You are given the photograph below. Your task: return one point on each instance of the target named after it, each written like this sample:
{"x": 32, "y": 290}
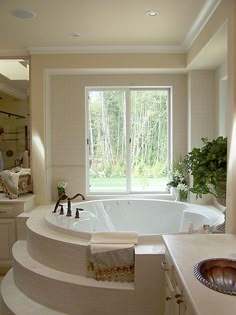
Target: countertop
{"x": 187, "y": 250}
{"x": 21, "y": 198}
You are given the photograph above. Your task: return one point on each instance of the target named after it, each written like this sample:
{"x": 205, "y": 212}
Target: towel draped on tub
{"x": 111, "y": 256}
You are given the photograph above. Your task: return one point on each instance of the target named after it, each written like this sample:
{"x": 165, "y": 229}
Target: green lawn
{"x": 118, "y": 184}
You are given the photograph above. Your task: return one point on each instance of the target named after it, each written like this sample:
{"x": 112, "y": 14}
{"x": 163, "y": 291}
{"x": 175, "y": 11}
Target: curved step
{"x": 68, "y": 293}
{"x": 15, "y": 302}
{"x": 54, "y": 249}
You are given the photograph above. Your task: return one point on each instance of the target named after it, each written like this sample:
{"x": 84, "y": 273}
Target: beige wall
{"x": 43, "y": 65}
{"x": 231, "y": 180}
{"x": 202, "y": 108}
{"x": 67, "y": 126}
{"x": 221, "y": 86}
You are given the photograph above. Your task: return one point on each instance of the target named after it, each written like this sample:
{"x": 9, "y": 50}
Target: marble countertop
{"x": 21, "y": 198}
{"x": 187, "y": 250}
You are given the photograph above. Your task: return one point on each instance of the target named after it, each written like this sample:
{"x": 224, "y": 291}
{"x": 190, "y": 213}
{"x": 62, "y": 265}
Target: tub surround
{"x": 47, "y": 282}
{"x": 187, "y": 250}
{"x": 54, "y": 284}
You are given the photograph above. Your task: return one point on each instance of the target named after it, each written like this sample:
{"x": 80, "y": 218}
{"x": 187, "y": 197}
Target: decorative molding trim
{"x": 110, "y": 71}
{"x": 19, "y": 53}
{"x": 199, "y": 23}
{"x": 106, "y": 49}
{"x": 5, "y": 88}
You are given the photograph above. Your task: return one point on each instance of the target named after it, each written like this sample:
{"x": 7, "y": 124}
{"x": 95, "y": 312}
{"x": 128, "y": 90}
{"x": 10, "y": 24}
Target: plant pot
{"x": 221, "y": 199}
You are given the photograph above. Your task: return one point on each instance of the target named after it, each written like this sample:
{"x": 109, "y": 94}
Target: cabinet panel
{"x": 176, "y": 302}
{"x": 8, "y": 238}
{"x": 6, "y": 211}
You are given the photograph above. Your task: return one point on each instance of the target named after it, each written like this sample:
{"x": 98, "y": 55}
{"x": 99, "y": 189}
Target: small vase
{"x": 175, "y": 193}
{"x": 182, "y": 195}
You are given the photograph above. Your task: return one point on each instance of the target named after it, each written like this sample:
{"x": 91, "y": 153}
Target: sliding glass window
{"x": 127, "y": 140}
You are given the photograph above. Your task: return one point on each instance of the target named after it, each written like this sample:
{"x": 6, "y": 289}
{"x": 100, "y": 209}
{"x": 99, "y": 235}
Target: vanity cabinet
{"x": 9, "y": 210}
{"x": 176, "y": 302}
{"x": 8, "y": 238}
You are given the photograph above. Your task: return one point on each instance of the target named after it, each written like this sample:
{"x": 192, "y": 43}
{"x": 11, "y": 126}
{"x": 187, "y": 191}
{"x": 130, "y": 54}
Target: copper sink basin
{"x": 218, "y": 274}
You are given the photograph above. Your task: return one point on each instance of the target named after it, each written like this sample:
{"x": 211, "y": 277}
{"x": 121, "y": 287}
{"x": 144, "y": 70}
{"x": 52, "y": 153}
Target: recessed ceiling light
{"x": 23, "y": 13}
{"x": 152, "y": 13}
{"x": 74, "y": 34}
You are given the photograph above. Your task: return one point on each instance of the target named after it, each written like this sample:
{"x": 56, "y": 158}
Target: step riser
{"x": 16, "y": 303}
{"x": 66, "y": 257}
{"x": 51, "y": 290}
{"x": 69, "y": 297}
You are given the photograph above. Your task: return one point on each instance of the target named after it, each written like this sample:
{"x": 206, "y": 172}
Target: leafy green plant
{"x": 208, "y": 166}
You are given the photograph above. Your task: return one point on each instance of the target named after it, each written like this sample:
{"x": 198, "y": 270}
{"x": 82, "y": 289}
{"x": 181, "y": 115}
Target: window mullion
{"x": 128, "y": 142}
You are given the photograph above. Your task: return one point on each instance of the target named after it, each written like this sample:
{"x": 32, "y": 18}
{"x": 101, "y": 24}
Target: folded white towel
{"x": 114, "y": 238}
{"x": 111, "y": 255}
{"x": 105, "y": 248}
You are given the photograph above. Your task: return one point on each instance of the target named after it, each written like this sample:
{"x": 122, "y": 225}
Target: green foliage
{"x": 208, "y": 166}
{"x": 178, "y": 174}
{"x": 148, "y": 133}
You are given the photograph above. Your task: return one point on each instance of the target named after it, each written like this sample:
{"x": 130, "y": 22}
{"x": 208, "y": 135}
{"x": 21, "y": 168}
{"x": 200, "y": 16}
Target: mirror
{"x": 14, "y": 111}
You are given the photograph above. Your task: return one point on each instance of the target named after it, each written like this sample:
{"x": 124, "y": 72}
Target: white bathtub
{"x": 144, "y": 216}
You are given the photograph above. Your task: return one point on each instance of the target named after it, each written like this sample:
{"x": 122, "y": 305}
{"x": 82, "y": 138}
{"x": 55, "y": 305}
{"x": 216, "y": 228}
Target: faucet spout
{"x": 79, "y": 194}
{"x": 68, "y": 207}
{"x": 69, "y": 212}
{"x": 62, "y": 197}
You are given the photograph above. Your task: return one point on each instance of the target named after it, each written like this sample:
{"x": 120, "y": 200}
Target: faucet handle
{"x": 77, "y": 213}
{"x": 68, "y": 207}
{"x": 62, "y": 210}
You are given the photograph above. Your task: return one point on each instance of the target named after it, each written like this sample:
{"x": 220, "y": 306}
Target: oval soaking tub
{"x": 144, "y": 216}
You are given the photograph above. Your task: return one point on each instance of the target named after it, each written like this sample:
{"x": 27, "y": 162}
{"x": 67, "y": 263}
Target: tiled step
{"x": 15, "y": 302}
{"x": 55, "y": 249}
{"x": 64, "y": 292}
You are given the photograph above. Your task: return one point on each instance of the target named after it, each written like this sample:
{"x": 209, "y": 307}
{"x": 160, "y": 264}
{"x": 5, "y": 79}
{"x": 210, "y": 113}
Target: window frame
{"x": 127, "y": 90}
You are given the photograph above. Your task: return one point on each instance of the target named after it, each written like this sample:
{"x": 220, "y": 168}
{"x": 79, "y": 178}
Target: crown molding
{"x": 16, "y": 53}
{"x": 106, "y": 49}
{"x": 112, "y": 71}
{"x": 200, "y": 21}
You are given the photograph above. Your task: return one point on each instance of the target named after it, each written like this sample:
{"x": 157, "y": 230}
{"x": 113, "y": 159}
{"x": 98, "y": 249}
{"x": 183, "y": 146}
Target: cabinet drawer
{"x": 6, "y": 211}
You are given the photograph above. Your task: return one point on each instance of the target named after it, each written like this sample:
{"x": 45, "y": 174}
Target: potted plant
{"x": 208, "y": 166}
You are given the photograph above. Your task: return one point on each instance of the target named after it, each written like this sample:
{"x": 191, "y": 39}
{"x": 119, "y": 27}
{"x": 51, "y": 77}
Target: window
{"x": 127, "y": 140}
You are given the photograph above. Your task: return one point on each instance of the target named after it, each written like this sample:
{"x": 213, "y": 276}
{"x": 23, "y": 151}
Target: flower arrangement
{"x": 178, "y": 179}
{"x": 182, "y": 190}
{"x": 61, "y": 188}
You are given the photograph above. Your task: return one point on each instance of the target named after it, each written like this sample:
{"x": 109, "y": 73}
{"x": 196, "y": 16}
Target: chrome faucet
{"x": 62, "y": 197}
{"x": 69, "y": 203}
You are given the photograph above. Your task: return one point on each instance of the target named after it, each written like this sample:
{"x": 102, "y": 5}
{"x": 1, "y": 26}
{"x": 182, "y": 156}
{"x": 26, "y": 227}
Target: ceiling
{"x": 103, "y": 24}
{"x": 106, "y": 26}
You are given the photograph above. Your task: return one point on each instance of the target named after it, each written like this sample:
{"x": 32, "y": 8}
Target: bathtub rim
{"x": 141, "y": 237}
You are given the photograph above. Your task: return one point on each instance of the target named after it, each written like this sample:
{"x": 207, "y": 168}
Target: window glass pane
{"x": 107, "y": 141}
{"x": 149, "y": 132}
